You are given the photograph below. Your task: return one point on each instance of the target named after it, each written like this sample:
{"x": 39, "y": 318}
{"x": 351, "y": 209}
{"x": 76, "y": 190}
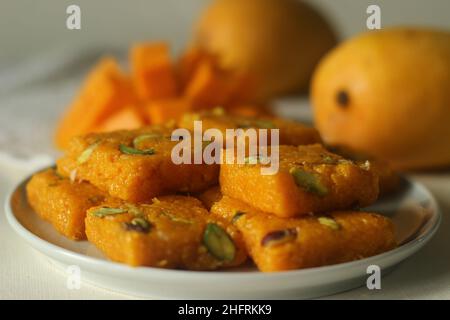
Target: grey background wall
{"x": 29, "y": 27}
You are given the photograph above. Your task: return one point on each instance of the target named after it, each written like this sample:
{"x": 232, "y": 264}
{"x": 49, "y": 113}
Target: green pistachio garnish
{"x": 191, "y": 117}
{"x": 244, "y": 125}
{"x": 139, "y": 225}
{"x": 84, "y": 156}
{"x": 131, "y": 208}
{"x": 155, "y": 200}
{"x": 218, "y": 111}
{"x": 365, "y": 165}
{"x": 105, "y": 211}
{"x": 328, "y": 160}
{"x": 308, "y": 181}
{"x": 129, "y": 150}
{"x": 137, "y": 141}
{"x": 329, "y": 222}
{"x": 236, "y": 216}
{"x": 73, "y": 175}
{"x": 218, "y": 242}
{"x": 175, "y": 218}
{"x": 345, "y": 161}
{"x": 264, "y": 124}
{"x": 255, "y": 159}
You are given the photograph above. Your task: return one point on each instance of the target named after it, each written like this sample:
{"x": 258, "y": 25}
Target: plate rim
{"x": 44, "y": 247}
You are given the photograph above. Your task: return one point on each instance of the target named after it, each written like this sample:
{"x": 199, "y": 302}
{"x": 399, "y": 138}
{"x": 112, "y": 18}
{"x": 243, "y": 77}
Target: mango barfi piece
{"x": 277, "y": 244}
{"x": 134, "y": 165}
{"x": 291, "y": 132}
{"x": 309, "y": 179}
{"x": 62, "y": 203}
{"x": 210, "y": 196}
{"x": 170, "y": 232}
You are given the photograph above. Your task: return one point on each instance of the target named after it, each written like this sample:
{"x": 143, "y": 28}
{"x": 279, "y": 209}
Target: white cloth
{"x": 33, "y": 96}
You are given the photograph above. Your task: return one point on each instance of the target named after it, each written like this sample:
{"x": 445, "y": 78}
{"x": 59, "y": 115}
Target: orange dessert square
{"x": 134, "y": 165}
{"x": 309, "y": 180}
{"x": 291, "y": 132}
{"x": 171, "y": 232}
{"x": 278, "y": 244}
{"x": 61, "y": 202}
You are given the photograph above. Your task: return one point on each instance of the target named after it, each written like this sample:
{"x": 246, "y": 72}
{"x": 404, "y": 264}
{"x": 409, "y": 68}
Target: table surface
{"x": 26, "y": 274}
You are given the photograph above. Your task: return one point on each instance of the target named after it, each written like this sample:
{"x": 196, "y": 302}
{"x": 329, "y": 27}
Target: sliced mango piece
{"x": 105, "y": 91}
{"x": 153, "y": 72}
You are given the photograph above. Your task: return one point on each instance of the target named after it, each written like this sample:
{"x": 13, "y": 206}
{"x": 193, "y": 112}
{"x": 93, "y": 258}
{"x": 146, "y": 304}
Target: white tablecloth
{"x": 28, "y": 110}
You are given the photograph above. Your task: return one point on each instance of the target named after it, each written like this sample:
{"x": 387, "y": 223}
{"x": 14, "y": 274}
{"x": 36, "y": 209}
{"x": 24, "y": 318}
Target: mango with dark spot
{"x": 387, "y": 93}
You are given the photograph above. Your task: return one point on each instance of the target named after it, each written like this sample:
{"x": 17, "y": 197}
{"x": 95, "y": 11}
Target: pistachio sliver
{"x": 328, "y": 160}
{"x": 139, "y": 225}
{"x": 131, "y": 208}
{"x": 329, "y": 222}
{"x": 133, "y": 151}
{"x": 218, "y": 242}
{"x": 85, "y": 155}
{"x": 105, "y": 211}
{"x": 278, "y": 237}
{"x": 308, "y": 181}
{"x": 365, "y": 165}
{"x": 137, "y": 141}
{"x": 245, "y": 124}
{"x": 218, "y": 111}
{"x": 264, "y": 124}
{"x": 237, "y": 215}
{"x": 175, "y": 218}
{"x": 256, "y": 159}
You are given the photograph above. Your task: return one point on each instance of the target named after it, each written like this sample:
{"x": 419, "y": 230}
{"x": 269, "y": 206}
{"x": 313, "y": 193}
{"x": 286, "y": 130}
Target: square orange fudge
{"x": 62, "y": 202}
{"x": 134, "y": 165}
{"x": 278, "y": 244}
{"x": 309, "y": 180}
{"x": 291, "y": 132}
{"x": 170, "y": 232}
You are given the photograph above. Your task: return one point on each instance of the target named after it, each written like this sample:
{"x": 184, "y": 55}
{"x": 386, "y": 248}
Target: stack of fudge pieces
{"x": 122, "y": 192}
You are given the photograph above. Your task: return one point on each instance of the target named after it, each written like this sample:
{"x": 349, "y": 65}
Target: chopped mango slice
{"x": 125, "y": 119}
{"x": 153, "y": 72}
{"x": 209, "y": 87}
{"x": 160, "y": 111}
{"x": 104, "y": 92}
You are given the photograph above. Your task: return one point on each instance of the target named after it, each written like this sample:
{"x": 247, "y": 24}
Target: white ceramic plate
{"x": 413, "y": 210}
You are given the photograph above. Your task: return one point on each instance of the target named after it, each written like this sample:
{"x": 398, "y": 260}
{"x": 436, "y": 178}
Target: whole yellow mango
{"x": 278, "y": 42}
{"x": 387, "y": 93}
